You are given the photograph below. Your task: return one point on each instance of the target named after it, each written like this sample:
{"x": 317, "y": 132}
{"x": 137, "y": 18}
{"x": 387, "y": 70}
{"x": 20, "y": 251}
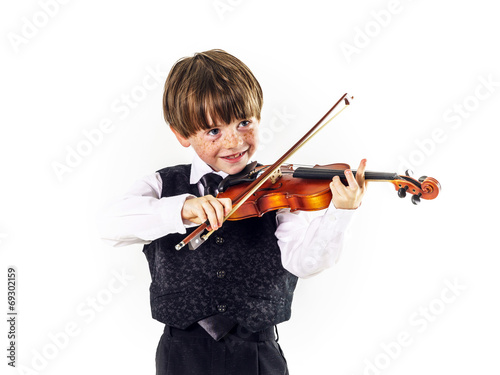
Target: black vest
{"x": 237, "y": 272}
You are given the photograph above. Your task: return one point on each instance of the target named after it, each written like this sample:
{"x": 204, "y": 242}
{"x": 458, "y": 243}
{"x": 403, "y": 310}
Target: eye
{"x": 245, "y": 123}
{"x": 213, "y": 132}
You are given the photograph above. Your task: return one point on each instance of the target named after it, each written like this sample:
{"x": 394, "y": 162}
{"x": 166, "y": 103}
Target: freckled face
{"x": 226, "y": 147}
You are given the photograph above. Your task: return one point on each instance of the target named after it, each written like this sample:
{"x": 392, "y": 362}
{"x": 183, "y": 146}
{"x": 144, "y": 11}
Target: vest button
{"x": 221, "y": 308}
{"x": 221, "y": 274}
{"x": 219, "y": 240}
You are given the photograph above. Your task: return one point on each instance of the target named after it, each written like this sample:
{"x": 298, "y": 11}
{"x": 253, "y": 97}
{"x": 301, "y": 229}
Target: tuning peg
{"x": 409, "y": 172}
{"x": 422, "y": 179}
{"x": 402, "y": 192}
{"x": 416, "y": 198}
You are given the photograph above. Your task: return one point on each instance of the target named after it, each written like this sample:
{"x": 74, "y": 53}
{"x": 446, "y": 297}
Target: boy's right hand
{"x": 198, "y": 210}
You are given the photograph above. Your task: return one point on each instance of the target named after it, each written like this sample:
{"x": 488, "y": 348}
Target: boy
{"x": 221, "y": 301}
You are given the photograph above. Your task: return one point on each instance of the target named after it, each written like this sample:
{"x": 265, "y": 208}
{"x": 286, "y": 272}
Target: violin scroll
{"x": 425, "y": 187}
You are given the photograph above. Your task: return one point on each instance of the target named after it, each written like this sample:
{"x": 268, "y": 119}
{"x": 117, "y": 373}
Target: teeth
{"x": 234, "y": 156}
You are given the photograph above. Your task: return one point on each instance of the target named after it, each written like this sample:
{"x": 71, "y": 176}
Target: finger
{"x": 360, "y": 174}
{"x": 337, "y": 187}
{"x": 210, "y": 210}
{"x": 222, "y": 207}
{"x": 215, "y": 211}
{"x": 340, "y": 193}
{"x": 198, "y": 215}
{"x": 227, "y": 203}
{"x": 353, "y": 184}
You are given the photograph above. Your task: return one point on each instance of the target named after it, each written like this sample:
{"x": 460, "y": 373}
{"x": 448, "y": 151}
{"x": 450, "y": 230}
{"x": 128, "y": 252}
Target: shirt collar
{"x": 199, "y": 168}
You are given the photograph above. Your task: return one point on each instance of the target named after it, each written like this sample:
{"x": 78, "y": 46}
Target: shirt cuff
{"x": 171, "y": 209}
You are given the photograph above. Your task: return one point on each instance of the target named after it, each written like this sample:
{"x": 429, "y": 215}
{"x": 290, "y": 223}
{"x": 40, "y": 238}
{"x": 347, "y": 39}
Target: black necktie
{"x": 210, "y": 182}
{"x": 216, "y": 326}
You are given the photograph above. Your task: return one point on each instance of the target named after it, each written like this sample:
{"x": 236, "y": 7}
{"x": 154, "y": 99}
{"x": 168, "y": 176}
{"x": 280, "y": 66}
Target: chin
{"x": 234, "y": 168}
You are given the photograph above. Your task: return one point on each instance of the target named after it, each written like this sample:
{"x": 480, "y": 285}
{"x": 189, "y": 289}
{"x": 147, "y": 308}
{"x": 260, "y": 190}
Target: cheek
{"x": 251, "y": 137}
{"x": 205, "y": 148}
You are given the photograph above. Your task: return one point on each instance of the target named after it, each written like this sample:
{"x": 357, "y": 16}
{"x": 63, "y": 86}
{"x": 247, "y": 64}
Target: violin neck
{"x": 328, "y": 174}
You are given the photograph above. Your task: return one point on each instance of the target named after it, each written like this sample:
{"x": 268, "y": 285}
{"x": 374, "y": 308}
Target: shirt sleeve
{"x": 141, "y": 216}
{"x": 311, "y": 245}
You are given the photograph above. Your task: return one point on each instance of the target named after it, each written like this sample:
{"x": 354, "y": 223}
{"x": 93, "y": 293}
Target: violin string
{"x": 325, "y": 173}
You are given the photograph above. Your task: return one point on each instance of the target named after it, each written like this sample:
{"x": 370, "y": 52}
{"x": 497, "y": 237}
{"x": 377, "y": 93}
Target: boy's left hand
{"x": 349, "y": 197}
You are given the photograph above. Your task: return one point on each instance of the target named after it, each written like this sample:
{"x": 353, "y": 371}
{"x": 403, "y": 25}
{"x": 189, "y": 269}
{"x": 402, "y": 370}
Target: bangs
{"x": 214, "y": 106}
{"x": 208, "y": 90}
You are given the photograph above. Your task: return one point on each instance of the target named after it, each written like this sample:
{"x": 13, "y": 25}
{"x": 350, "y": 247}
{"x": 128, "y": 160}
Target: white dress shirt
{"x": 308, "y": 244}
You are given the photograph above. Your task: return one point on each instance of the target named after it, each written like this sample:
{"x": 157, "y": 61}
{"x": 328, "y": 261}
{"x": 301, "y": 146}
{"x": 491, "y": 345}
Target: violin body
{"x": 287, "y": 192}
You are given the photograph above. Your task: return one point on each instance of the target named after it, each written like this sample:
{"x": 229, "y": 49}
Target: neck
{"x": 328, "y": 174}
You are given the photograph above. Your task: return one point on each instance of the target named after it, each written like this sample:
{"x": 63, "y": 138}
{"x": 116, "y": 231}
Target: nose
{"x": 232, "y": 139}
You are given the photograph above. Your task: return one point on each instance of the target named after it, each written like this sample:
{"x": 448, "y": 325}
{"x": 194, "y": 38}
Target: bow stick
{"x": 195, "y": 239}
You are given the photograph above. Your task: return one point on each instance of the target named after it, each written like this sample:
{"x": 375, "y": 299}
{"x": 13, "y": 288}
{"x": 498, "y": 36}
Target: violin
{"x": 260, "y": 189}
{"x": 308, "y": 189}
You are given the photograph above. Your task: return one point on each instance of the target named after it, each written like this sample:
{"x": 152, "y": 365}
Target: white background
{"x": 417, "y": 70}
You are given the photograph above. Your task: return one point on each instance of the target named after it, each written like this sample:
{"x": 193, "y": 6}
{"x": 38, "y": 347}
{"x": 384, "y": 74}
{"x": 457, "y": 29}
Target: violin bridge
{"x": 276, "y": 175}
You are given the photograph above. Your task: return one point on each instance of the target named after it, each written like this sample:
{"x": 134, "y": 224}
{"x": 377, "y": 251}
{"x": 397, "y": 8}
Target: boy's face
{"x": 225, "y": 147}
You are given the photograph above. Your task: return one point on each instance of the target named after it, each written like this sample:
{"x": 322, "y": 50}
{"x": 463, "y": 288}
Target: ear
{"x": 183, "y": 141}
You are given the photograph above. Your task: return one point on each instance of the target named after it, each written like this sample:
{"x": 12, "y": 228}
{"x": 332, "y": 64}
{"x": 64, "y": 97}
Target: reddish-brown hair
{"x": 211, "y": 84}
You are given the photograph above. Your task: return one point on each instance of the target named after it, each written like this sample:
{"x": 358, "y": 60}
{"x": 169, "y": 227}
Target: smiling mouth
{"x": 234, "y": 156}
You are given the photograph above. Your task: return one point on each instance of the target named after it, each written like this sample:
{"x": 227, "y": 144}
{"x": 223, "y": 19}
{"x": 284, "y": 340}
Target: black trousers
{"x": 240, "y": 352}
